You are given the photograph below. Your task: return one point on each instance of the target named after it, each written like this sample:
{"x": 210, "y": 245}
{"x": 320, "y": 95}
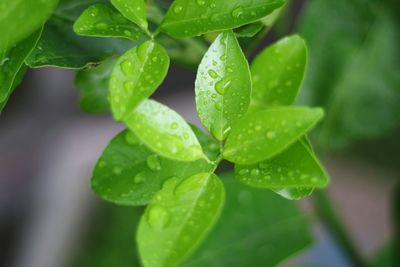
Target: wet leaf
{"x": 59, "y": 46}
{"x": 11, "y": 62}
{"x": 264, "y": 134}
{"x": 101, "y": 20}
{"x": 278, "y": 71}
{"x": 92, "y": 84}
{"x": 192, "y": 18}
{"x": 178, "y": 219}
{"x": 256, "y": 228}
{"x": 136, "y": 75}
{"x": 134, "y": 10}
{"x": 20, "y": 18}
{"x": 164, "y": 131}
{"x": 249, "y": 30}
{"x": 294, "y": 193}
{"x": 129, "y": 173}
{"x": 295, "y": 167}
{"x": 223, "y": 85}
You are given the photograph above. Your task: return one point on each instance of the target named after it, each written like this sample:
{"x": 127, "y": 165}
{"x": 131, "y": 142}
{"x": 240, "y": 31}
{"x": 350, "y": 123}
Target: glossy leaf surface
{"x": 263, "y": 134}
{"x": 256, "y": 228}
{"x": 101, "y": 20}
{"x": 60, "y": 46}
{"x": 294, "y": 193}
{"x": 178, "y": 219}
{"x": 134, "y": 10}
{"x": 92, "y": 84}
{"x": 192, "y": 18}
{"x": 297, "y": 166}
{"x": 20, "y": 18}
{"x": 136, "y": 75}
{"x": 11, "y": 63}
{"x": 249, "y": 30}
{"x": 129, "y": 173}
{"x": 164, "y": 131}
{"x": 278, "y": 71}
{"x": 223, "y": 85}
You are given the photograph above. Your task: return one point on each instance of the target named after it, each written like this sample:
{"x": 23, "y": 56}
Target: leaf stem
{"x": 329, "y": 217}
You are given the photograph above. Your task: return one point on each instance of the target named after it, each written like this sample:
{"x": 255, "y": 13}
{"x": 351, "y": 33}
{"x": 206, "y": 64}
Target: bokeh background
{"x": 48, "y": 145}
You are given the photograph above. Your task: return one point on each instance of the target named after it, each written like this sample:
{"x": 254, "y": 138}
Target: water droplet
{"x": 153, "y": 162}
{"x": 255, "y": 172}
{"x": 174, "y": 125}
{"x": 178, "y": 9}
{"x": 101, "y": 26}
{"x": 213, "y": 74}
{"x": 139, "y": 178}
{"x": 127, "y": 67}
{"x": 129, "y": 85}
{"x": 271, "y": 135}
{"x": 218, "y": 106}
{"x": 243, "y": 171}
{"x": 237, "y": 12}
{"x": 117, "y": 170}
{"x": 201, "y": 2}
{"x": 222, "y": 85}
{"x": 132, "y": 139}
{"x": 158, "y": 217}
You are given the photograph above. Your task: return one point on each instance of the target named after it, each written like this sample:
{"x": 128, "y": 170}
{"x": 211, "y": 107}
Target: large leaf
{"x": 12, "y": 62}
{"x": 164, "y": 131}
{"x": 129, "y": 173}
{"x": 92, "y": 84}
{"x": 178, "y": 219}
{"x": 134, "y": 10}
{"x": 59, "y": 46}
{"x": 256, "y": 228}
{"x": 102, "y": 20}
{"x": 20, "y": 18}
{"x": 223, "y": 85}
{"x": 278, "y": 71}
{"x": 192, "y": 18}
{"x": 358, "y": 79}
{"x": 295, "y": 167}
{"x": 261, "y": 135}
{"x": 136, "y": 75}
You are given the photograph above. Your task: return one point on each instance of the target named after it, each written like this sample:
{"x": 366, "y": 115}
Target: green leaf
{"x": 101, "y": 20}
{"x": 164, "y": 131}
{"x": 136, "y": 75}
{"x": 295, "y": 167}
{"x": 129, "y": 173}
{"x": 223, "y": 85}
{"x": 249, "y": 30}
{"x": 59, "y": 46}
{"x": 20, "y": 18}
{"x": 178, "y": 219}
{"x": 264, "y": 134}
{"x": 11, "y": 62}
{"x": 92, "y": 84}
{"x": 192, "y": 18}
{"x": 294, "y": 193}
{"x": 256, "y": 228}
{"x": 209, "y": 145}
{"x": 278, "y": 71}
{"x": 134, "y": 10}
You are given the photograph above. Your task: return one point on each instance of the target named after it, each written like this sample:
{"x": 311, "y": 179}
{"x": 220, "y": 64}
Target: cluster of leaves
{"x": 358, "y": 81}
{"x": 160, "y": 160}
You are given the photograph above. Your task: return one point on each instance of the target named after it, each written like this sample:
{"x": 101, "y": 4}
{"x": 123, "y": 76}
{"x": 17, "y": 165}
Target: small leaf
{"x": 264, "y": 134}
{"x": 134, "y": 10}
{"x": 136, "y": 75}
{"x": 20, "y": 18}
{"x": 256, "y": 228}
{"x": 249, "y": 30}
{"x": 223, "y": 85}
{"x": 129, "y": 173}
{"x": 178, "y": 219}
{"x": 11, "y": 62}
{"x": 191, "y": 18}
{"x": 295, "y": 167}
{"x": 278, "y": 71}
{"x": 164, "y": 131}
{"x": 101, "y": 20}
{"x": 92, "y": 84}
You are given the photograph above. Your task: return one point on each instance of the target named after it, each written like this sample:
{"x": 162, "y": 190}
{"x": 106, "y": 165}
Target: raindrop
{"x": 153, "y": 162}
{"x": 139, "y": 178}
{"x": 213, "y": 74}
{"x": 222, "y": 85}
{"x": 101, "y": 26}
{"x": 158, "y": 217}
{"x": 117, "y": 170}
{"x": 271, "y": 135}
{"x": 255, "y": 172}
{"x": 237, "y": 12}
{"x": 127, "y": 67}
{"x": 178, "y": 9}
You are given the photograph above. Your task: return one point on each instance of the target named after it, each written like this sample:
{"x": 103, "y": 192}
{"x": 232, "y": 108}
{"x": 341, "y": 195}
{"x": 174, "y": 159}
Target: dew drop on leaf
{"x": 127, "y": 67}
{"x": 158, "y": 217}
{"x": 153, "y": 162}
{"x": 213, "y": 74}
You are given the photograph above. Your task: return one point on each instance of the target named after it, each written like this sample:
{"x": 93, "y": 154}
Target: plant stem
{"x": 329, "y": 217}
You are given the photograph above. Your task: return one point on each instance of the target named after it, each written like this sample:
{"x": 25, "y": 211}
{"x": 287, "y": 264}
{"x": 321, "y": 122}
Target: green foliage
{"x": 136, "y": 75}
{"x": 161, "y": 160}
{"x": 103, "y": 21}
{"x": 223, "y": 85}
{"x": 20, "y": 18}
{"x": 192, "y": 18}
